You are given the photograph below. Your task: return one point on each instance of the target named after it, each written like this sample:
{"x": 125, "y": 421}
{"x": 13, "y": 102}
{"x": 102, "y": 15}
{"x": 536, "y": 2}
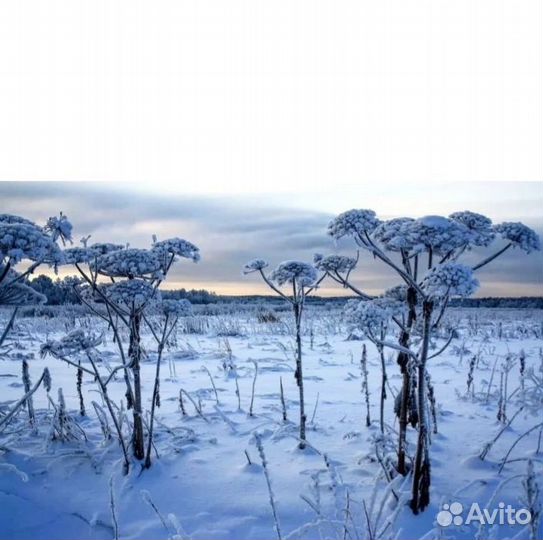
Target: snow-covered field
{"x": 207, "y": 480}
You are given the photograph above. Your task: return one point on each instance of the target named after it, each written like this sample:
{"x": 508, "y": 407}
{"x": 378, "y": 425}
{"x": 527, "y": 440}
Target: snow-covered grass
{"x": 208, "y": 478}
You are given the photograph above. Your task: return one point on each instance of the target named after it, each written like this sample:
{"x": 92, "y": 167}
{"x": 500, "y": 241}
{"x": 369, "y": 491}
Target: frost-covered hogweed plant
{"x": 300, "y": 279}
{"x": 424, "y": 253}
{"x": 134, "y": 276}
{"x": 23, "y": 240}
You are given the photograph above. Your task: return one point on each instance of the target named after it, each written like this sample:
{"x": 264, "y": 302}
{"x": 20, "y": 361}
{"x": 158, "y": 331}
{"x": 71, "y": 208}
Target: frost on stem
{"x": 254, "y": 266}
{"x": 352, "y": 223}
{"x": 300, "y": 273}
{"x": 480, "y": 227}
{"x": 450, "y": 279}
{"x": 264, "y": 461}
{"x": 519, "y": 235}
{"x": 531, "y": 499}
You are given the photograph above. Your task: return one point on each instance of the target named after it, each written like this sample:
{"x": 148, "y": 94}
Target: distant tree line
{"x": 533, "y": 302}
{"x": 194, "y": 296}
{"x": 58, "y": 291}
{"x": 61, "y": 291}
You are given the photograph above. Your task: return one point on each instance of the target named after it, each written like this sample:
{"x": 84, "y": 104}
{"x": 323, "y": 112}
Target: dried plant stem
{"x": 5, "y": 419}
{"x": 283, "y": 403}
{"x": 29, "y": 401}
{"x": 365, "y": 387}
{"x": 113, "y": 510}
{"x": 262, "y": 455}
{"x": 253, "y": 388}
{"x": 212, "y": 384}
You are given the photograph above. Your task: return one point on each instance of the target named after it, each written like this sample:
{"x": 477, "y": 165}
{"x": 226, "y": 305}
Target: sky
{"x": 245, "y": 125}
{"x": 231, "y": 230}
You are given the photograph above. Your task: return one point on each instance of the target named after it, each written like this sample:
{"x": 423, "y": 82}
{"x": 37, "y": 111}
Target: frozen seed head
{"x": 519, "y": 235}
{"x": 78, "y": 255}
{"x": 450, "y": 279}
{"x": 20, "y": 241}
{"x": 353, "y": 223}
{"x": 438, "y": 233}
{"x": 75, "y": 342}
{"x": 10, "y": 219}
{"x": 334, "y": 263}
{"x": 179, "y": 247}
{"x": 129, "y": 263}
{"x": 394, "y": 234}
{"x": 480, "y": 227}
{"x": 176, "y": 308}
{"x": 397, "y": 293}
{"x": 254, "y": 266}
{"x": 300, "y": 273}
{"x": 131, "y": 293}
{"x": 59, "y": 227}
{"x": 101, "y": 248}
{"x": 368, "y": 314}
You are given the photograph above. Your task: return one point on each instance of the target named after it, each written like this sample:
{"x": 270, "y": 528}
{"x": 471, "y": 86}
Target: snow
{"x": 202, "y": 485}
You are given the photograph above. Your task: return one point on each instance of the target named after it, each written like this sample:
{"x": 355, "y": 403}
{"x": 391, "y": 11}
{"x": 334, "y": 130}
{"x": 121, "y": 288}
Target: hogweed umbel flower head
{"x": 450, "y": 279}
{"x": 179, "y": 247}
{"x": 254, "y": 266}
{"x": 301, "y": 273}
{"x": 334, "y": 263}
{"x": 356, "y": 222}
{"x": 519, "y": 235}
{"x": 480, "y": 227}
{"x": 130, "y": 263}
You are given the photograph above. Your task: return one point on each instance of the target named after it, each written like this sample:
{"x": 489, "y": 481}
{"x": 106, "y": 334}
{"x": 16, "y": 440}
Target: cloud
{"x": 230, "y": 231}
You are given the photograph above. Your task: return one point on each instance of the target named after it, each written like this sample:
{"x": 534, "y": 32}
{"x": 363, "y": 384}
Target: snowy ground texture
{"x": 208, "y": 481}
